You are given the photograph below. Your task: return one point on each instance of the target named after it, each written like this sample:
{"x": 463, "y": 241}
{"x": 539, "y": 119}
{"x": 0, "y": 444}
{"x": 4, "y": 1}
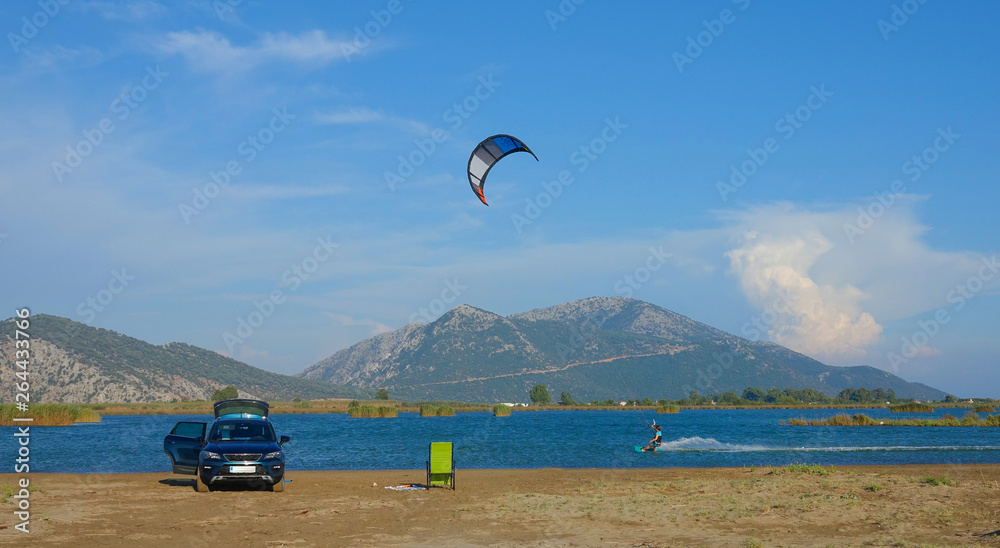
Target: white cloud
{"x": 825, "y": 321}
{"x": 360, "y": 115}
{"x": 279, "y": 192}
{"x": 212, "y": 52}
{"x": 348, "y": 321}
{"x": 133, "y": 10}
{"x": 365, "y": 115}
{"x": 48, "y": 57}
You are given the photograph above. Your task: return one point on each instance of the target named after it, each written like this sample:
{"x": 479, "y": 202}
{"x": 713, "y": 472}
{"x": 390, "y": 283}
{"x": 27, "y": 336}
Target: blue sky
{"x": 818, "y": 174}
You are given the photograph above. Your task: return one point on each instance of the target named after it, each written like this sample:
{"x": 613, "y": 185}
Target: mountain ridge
{"x": 594, "y": 348}
{"x": 72, "y": 362}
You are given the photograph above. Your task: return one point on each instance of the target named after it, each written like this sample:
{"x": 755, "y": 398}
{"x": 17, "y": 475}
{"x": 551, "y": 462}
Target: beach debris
{"x": 406, "y": 487}
{"x": 374, "y": 484}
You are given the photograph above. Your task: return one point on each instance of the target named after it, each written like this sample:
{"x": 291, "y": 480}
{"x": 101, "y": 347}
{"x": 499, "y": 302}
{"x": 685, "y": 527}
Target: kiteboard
{"x": 638, "y": 449}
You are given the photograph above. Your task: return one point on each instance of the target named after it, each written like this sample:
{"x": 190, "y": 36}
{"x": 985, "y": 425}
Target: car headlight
{"x": 272, "y": 455}
{"x": 208, "y": 455}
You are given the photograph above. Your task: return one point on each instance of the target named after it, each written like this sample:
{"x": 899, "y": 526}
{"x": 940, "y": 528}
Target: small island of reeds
{"x": 911, "y": 407}
{"x": 970, "y": 419}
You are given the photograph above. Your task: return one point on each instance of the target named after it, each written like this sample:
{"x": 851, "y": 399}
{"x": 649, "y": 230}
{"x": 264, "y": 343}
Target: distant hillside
{"x": 73, "y": 362}
{"x": 594, "y": 348}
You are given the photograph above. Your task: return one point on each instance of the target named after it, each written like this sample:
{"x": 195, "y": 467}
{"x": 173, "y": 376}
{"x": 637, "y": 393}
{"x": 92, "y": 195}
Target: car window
{"x": 189, "y": 429}
{"x": 242, "y": 431}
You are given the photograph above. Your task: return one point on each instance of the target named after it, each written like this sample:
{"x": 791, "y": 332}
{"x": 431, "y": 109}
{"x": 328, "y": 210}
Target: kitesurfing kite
{"x": 488, "y": 153}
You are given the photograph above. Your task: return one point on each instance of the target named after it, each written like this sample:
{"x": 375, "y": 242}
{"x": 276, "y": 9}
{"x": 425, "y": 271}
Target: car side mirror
{"x": 284, "y": 440}
{"x": 200, "y": 439}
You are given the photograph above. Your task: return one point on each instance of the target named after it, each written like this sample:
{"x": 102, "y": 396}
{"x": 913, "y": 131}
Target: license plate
{"x": 242, "y": 469}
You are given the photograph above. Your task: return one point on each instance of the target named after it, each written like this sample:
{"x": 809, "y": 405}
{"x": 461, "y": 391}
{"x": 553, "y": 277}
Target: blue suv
{"x": 241, "y": 447}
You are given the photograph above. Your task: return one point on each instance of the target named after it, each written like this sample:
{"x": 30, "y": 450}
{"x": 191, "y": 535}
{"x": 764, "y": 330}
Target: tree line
{"x": 752, "y": 395}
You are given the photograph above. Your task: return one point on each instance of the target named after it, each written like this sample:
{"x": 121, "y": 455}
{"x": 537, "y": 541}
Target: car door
{"x": 183, "y": 444}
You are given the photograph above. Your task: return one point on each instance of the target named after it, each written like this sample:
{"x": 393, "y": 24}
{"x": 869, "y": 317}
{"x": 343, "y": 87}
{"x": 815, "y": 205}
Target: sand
{"x": 852, "y": 506}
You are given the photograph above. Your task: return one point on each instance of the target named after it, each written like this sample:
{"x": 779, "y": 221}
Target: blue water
{"x": 564, "y": 439}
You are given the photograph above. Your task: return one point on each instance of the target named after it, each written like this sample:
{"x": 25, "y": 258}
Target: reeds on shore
{"x": 501, "y": 410}
{"x": 446, "y": 411}
{"x": 670, "y": 408}
{"x": 970, "y": 419}
{"x": 371, "y": 412}
{"x": 428, "y": 411}
{"x": 48, "y": 414}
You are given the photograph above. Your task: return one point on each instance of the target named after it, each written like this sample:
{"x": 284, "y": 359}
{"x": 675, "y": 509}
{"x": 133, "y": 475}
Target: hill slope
{"x": 594, "y": 348}
{"x": 73, "y": 362}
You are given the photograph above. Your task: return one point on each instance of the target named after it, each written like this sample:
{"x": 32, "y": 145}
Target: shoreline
{"x": 97, "y": 411}
{"x": 945, "y": 504}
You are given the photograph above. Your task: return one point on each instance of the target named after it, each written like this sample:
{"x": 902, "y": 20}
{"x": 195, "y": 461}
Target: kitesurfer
{"x": 655, "y": 442}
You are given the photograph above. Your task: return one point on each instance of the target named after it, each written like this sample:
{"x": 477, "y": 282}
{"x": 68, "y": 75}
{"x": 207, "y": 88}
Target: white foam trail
{"x": 715, "y": 446}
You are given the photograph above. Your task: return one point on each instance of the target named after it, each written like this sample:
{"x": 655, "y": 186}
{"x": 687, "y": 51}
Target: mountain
{"x": 73, "y": 362}
{"x": 595, "y": 348}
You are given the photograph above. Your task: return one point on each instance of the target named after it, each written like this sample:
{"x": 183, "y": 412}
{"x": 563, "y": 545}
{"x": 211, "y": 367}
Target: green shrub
{"x": 227, "y": 393}
{"x": 501, "y": 410}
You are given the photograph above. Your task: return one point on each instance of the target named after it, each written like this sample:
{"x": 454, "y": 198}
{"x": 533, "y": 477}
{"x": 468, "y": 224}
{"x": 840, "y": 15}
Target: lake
{"x": 564, "y": 439}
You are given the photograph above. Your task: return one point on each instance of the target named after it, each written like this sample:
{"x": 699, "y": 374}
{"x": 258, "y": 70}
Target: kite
{"x": 488, "y": 153}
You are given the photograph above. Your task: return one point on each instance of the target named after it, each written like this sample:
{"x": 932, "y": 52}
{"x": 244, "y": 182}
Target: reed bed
{"x": 446, "y": 411}
{"x": 388, "y": 412}
{"x": 911, "y": 408}
{"x": 501, "y": 410}
{"x": 363, "y": 412}
{"x": 428, "y": 411}
{"x": 669, "y": 409}
{"x": 984, "y": 409}
{"x": 48, "y": 414}
{"x": 970, "y": 419}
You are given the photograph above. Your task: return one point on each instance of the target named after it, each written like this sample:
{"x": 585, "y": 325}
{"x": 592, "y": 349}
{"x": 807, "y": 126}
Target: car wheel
{"x": 278, "y": 487}
{"x": 202, "y": 486}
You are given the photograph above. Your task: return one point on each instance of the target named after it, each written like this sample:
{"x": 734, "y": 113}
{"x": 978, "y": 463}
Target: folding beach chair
{"x": 441, "y": 465}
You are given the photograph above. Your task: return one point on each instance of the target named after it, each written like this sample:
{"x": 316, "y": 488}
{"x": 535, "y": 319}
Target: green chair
{"x": 441, "y": 466}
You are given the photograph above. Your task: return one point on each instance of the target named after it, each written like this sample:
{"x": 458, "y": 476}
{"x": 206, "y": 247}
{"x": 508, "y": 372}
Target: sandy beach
{"x": 850, "y": 506}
